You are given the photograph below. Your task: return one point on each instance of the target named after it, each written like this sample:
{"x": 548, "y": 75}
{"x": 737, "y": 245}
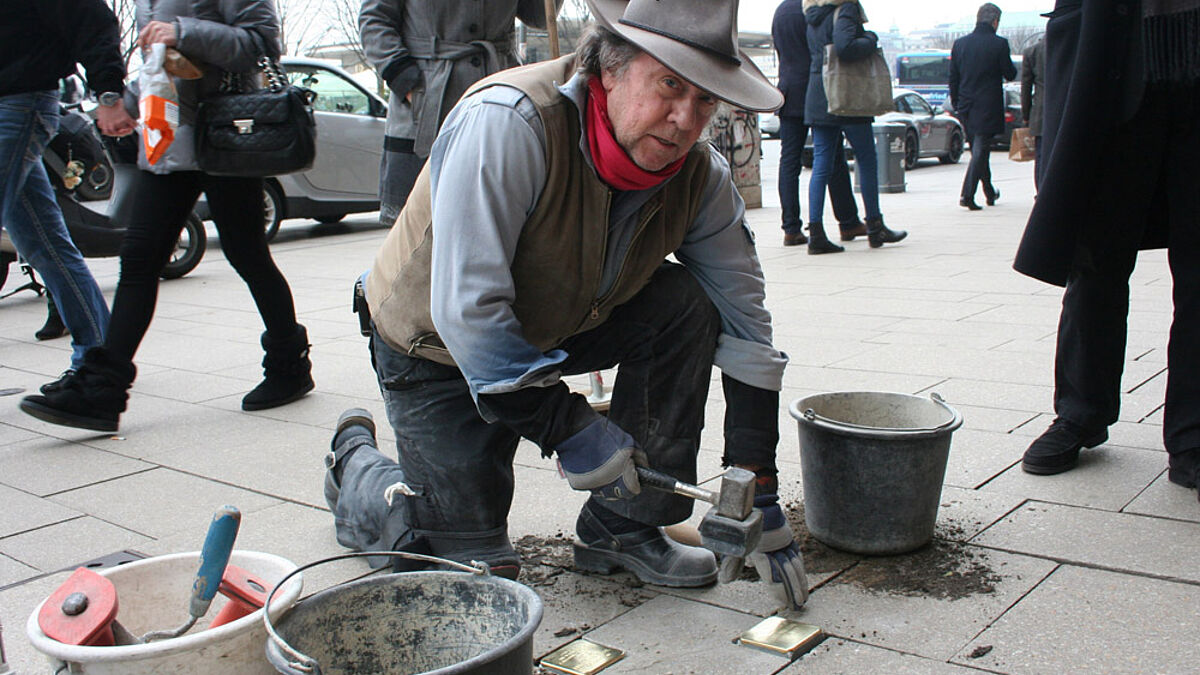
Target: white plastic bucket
{"x": 153, "y": 595}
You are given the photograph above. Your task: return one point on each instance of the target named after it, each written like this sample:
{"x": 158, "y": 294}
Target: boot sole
{"x": 607, "y": 562}
{"x": 267, "y": 405}
{"x": 55, "y": 416}
{"x": 1052, "y": 469}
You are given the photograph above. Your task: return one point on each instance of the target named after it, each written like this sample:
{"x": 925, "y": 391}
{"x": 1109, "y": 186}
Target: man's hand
{"x": 777, "y": 558}
{"x": 158, "y": 31}
{"x": 113, "y": 120}
{"x": 602, "y": 458}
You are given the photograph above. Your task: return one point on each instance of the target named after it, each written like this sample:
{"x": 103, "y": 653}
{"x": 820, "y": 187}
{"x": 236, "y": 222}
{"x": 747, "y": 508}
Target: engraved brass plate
{"x": 581, "y": 657}
{"x": 782, "y": 636}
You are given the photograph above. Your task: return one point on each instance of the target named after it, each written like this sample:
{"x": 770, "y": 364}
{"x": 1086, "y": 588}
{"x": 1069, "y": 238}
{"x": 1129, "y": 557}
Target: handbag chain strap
{"x": 276, "y": 79}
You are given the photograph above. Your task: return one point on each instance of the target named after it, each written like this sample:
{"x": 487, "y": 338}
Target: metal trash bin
{"x": 889, "y": 156}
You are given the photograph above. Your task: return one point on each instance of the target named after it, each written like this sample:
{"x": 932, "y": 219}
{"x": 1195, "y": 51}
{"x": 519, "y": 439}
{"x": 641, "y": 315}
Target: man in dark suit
{"x": 789, "y": 32}
{"x": 1120, "y": 144}
{"x": 979, "y": 64}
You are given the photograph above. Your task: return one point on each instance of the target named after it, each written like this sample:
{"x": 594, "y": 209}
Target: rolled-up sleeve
{"x": 719, "y": 252}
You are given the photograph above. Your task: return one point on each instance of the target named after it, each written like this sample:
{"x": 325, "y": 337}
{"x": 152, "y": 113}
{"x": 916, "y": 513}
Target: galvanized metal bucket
{"x": 873, "y": 465}
{"x": 429, "y": 622}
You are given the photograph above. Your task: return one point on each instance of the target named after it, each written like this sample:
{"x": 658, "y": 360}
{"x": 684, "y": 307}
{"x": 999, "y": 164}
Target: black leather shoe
{"x": 853, "y": 229}
{"x": 797, "y": 239}
{"x": 1057, "y": 449}
{"x": 816, "y": 247}
{"x": 57, "y": 385}
{"x": 353, "y": 422}
{"x": 648, "y": 553}
{"x": 992, "y": 198}
{"x": 969, "y": 204}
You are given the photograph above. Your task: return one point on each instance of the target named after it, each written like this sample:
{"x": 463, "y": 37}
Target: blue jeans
{"x": 793, "y": 132}
{"x": 826, "y": 141}
{"x": 35, "y": 223}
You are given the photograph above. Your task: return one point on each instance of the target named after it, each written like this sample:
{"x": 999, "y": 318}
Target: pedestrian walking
{"x": 1033, "y": 91}
{"x": 979, "y": 64}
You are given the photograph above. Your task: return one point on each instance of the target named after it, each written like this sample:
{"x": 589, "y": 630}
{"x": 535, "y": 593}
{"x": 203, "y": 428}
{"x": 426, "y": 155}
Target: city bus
{"x": 927, "y": 73}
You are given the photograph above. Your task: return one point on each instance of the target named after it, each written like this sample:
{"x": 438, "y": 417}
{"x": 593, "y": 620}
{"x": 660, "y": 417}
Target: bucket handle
{"x": 812, "y": 416}
{"x": 307, "y": 664}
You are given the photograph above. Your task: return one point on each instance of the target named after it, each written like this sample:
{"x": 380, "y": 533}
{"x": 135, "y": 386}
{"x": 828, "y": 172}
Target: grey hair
{"x": 988, "y": 13}
{"x": 601, "y": 50}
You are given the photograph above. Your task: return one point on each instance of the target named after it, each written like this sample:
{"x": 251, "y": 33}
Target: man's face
{"x": 657, "y": 116}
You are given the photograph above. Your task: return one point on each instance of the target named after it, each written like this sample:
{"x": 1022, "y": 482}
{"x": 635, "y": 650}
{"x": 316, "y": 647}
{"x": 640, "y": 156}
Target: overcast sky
{"x": 909, "y": 15}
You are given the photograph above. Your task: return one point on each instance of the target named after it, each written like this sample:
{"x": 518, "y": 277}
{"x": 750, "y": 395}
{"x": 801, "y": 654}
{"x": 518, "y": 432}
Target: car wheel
{"x": 912, "y": 150}
{"x": 189, "y": 249}
{"x": 330, "y": 218}
{"x": 955, "y": 151}
{"x": 272, "y": 209}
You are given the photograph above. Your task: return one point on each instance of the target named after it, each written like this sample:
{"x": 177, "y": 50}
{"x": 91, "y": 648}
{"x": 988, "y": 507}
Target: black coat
{"x": 41, "y": 40}
{"x": 789, "y": 32}
{"x": 979, "y": 64}
{"x": 1094, "y": 79}
{"x": 852, "y": 44}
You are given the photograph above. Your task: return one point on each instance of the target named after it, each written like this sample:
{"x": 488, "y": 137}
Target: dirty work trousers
{"x": 459, "y": 467}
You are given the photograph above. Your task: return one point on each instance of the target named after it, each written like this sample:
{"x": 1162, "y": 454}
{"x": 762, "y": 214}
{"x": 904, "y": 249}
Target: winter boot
{"x": 287, "y": 372}
{"x": 818, "y": 243}
{"x": 92, "y": 398}
{"x": 878, "y": 234}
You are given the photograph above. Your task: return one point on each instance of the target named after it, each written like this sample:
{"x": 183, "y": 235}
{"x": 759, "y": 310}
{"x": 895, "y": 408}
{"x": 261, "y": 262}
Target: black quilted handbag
{"x": 261, "y": 133}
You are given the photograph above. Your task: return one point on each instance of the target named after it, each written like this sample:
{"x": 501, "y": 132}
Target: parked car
{"x": 931, "y": 131}
{"x": 768, "y": 124}
{"x": 344, "y": 178}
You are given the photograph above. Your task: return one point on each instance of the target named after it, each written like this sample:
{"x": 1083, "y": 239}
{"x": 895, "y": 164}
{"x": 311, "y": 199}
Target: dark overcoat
{"x": 1094, "y": 79}
{"x": 850, "y": 40}
{"x": 979, "y": 64}
{"x": 789, "y": 32}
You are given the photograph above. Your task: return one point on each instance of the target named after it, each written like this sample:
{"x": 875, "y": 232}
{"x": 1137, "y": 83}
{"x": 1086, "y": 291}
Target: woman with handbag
{"x": 224, "y": 36}
{"x": 840, "y": 23}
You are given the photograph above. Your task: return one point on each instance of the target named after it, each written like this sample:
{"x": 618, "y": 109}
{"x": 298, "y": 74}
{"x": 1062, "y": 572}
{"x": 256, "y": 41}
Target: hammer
{"x": 732, "y": 527}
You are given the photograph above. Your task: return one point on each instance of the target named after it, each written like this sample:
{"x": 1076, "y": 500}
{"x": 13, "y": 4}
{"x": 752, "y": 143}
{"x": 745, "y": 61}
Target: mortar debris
{"x": 944, "y": 569}
{"x": 544, "y": 560}
{"x": 980, "y": 651}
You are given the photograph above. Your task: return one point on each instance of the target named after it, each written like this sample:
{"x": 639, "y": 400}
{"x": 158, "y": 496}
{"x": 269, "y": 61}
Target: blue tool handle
{"x": 218, "y": 545}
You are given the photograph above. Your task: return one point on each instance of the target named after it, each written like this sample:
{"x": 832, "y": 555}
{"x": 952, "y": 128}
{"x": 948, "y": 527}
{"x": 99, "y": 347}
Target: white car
{"x": 344, "y": 178}
{"x": 768, "y": 124}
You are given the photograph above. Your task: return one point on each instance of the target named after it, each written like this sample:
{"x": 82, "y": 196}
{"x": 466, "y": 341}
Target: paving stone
{"x": 1106, "y": 478}
{"x": 978, "y": 456}
{"x": 688, "y": 637}
{"x": 962, "y": 514}
{"x": 189, "y": 388}
{"x": 71, "y": 542}
{"x": 1084, "y": 536}
{"x": 10, "y": 434}
{"x": 856, "y": 376}
{"x": 1002, "y": 395}
{"x": 574, "y": 604}
{"x": 1093, "y": 621}
{"x": 872, "y": 604}
{"x": 161, "y": 502}
{"x": 843, "y": 657}
{"x": 44, "y": 465}
{"x": 991, "y": 419}
{"x": 1166, "y": 500}
{"x": 12, "y": 571}
{"x": 23, "y": 511}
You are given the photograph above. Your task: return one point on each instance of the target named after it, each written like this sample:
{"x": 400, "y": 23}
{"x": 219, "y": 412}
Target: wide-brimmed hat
{"x": 698, "y": 40}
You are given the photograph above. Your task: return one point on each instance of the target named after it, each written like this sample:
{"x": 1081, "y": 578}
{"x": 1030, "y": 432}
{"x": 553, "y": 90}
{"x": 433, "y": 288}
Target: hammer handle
{"x": 661, "y": 481}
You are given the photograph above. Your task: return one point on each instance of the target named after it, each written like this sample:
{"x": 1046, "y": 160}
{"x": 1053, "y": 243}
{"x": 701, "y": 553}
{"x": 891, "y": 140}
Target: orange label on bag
{"x": 160, "y": 117}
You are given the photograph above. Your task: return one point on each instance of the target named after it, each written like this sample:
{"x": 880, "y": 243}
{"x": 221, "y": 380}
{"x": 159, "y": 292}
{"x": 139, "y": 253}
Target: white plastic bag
{"x": 158, "y": 104}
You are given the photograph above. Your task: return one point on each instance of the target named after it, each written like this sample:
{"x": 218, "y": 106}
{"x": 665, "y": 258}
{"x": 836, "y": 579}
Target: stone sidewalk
{"x": 1090, "y": 571}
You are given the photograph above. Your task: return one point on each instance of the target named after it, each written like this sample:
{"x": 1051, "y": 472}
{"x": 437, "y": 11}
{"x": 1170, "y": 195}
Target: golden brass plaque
{"x": 782, "y": 636}
{"x": 581, "y": 657}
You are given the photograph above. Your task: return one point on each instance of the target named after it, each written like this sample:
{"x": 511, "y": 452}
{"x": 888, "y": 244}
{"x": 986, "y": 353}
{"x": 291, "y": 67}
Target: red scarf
{"x": 615, "y": 166}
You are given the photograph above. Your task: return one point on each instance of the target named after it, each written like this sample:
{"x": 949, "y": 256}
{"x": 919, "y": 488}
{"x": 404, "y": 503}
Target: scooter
{"x": 95, "y": 215}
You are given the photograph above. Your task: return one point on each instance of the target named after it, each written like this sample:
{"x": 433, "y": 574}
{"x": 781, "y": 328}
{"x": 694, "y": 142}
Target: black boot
{"x": 54, "y": 326}
{"x": 287, "y": 372}
{"x": 641, "y": 549}
{"x": 878, "y": 234}
{"x": 818, "y": 243}
{"x": 92, "y": 398}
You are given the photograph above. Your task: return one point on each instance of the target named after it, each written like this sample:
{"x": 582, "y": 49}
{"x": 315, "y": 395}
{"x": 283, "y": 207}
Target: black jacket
{"x": 851, "y": 42}
{"x": 789, "y": 32}
{"x": 1095, "y": 80}
{"x": 979, "y": 64}
{"x": 42, "y": 40}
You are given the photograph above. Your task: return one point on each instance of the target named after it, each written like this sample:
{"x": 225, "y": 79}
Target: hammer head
{"x": 728, "y": 536}
{"x": 736, "y": 497}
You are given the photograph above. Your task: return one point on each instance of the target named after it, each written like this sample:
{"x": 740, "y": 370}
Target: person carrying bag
{"x": 856, "y": 87}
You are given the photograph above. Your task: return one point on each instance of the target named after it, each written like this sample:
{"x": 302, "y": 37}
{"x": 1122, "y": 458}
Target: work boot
{"x": 286, "y": 369}
{"x": 1057, "y": 449}
{"x": 851, "y": 229}
{"x": 93, "y": 398}
{"x": 878, "y": 234}
{"x": 645, "y": 551}
{"x": 355, "y": 428}
{"x": 818, "y": 243}
{"x": 54, "y": 326}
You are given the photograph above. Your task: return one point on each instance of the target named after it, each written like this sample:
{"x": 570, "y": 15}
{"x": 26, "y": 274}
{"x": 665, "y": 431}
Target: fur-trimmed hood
{"x": 809, "y": 4}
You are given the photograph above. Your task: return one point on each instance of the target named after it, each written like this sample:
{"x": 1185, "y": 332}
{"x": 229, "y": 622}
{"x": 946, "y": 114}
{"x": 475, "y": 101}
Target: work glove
{"x": 777, "y": 557}
{"x": 602, "y": 458}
